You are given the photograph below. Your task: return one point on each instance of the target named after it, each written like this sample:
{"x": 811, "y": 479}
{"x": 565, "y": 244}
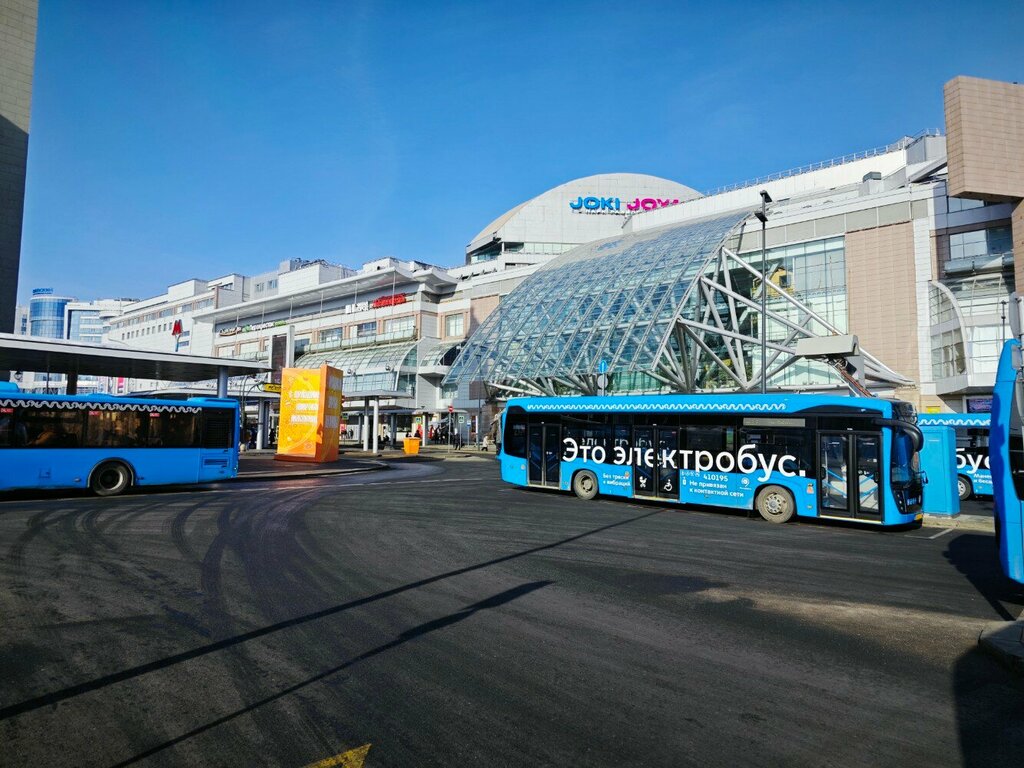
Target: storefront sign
{"x": 384, "y": 301}
{"x": 596, "y": 204}
{"x": 247, "y": 328}
{"x": 389, "y": 301}
{"x": 650, "y": 203}
{"x": 310, "y": 414}
{"x": 613, "y": 205}
{"x": 979, "y": 405}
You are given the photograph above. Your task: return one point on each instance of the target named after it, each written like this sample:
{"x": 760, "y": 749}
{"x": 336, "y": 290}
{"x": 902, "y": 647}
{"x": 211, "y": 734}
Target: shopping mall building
{"x": 909, "y": 247}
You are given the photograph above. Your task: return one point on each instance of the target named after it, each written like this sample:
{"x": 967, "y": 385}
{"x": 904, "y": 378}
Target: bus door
{"x": 644, "y": 476}
{"x": 849, "y": 475}
{"x": 667, "y": 475}
{"x": 544, "y": 447}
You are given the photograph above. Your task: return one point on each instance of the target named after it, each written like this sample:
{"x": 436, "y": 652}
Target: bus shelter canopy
{"x": 39, "y": 355}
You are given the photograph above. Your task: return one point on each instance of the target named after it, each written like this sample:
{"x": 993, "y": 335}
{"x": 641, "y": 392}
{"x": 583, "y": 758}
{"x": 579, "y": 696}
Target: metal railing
{"x": 407, "y": 334}
{"x": 900, "y": 144}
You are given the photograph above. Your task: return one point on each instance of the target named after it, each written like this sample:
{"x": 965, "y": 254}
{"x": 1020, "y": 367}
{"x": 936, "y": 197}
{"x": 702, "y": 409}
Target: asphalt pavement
{"x": 447, "y": 619}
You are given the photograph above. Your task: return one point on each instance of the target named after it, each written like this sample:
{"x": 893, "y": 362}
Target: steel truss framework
{"x": 672, "y": 310}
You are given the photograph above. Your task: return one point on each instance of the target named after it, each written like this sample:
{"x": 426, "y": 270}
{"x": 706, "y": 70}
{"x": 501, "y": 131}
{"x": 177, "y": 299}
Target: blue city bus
{"x": 973, "y": 477}
{"x": 1006, "y": 457}
{"x": 843, "y": 458}
{"x": 109, "y": 444}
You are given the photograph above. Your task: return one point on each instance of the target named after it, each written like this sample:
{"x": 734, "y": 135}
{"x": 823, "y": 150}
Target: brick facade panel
{"x": 881, "y": 279}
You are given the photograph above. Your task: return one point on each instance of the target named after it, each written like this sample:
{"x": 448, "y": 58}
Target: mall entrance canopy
{"x": 672, "y": 309}
{"x": 73, "y": 358}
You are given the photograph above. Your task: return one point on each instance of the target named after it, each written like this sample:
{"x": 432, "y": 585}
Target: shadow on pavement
{"x": 54, "y": 697}
{"x": 494, "y": 601}
{"x": 989, "y": 712}
{"x": 974, "y": 555}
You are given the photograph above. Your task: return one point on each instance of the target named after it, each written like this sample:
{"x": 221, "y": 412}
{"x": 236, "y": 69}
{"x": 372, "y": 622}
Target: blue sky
{"x": 172, "y": 140}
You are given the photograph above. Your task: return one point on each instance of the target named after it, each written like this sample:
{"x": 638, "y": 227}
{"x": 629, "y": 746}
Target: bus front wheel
{"x": 775, "y": 504}
{"x": 584, "y": 484}
{"x": 110, "y": 479}
{"x": 964, "y": 487}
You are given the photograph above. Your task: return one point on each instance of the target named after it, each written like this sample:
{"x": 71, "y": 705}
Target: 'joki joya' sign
{"x": 613, "y": 205}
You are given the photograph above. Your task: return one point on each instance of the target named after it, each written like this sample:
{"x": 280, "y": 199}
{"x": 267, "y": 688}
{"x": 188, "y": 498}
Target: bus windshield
{"x": 904, "y": 469}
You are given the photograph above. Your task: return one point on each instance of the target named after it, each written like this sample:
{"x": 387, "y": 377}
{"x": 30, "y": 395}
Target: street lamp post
{"x": 762, "y": 216}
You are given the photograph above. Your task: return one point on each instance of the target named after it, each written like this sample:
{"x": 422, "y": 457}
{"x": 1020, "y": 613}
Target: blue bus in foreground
{"x": 973, "y": 476}
{"x": 843, "y": 458}
{"x": 109, "y": 444}
{"x": 1006, "y": 453}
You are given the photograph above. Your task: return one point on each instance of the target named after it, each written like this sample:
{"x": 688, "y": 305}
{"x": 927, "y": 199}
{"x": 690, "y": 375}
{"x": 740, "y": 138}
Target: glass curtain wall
{"x": 815, "y": 274}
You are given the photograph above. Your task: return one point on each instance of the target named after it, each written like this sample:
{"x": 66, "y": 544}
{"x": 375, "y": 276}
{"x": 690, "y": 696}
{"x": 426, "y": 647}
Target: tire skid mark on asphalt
{"x": 54, "y": 697}
{"x": 492, "y": 602}
{"x": 177, "y": 531}
{"x": 263, "y": 541}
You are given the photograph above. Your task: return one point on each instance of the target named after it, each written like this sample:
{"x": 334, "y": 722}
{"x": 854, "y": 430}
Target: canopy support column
{"x": 376, "y": 422}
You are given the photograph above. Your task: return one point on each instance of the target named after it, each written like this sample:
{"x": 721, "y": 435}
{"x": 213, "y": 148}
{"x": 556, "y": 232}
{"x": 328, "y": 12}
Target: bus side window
{"x": 515, "y": 436}
{"x": 711, "y": 438}
{"x": 6, "y": 427}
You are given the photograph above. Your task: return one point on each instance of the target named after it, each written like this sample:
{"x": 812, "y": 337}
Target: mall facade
{"x": 910, "y": 247}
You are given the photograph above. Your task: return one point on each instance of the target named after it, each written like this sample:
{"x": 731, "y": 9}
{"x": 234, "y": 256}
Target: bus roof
{"x": 97, "y": 398}
{"x": 955, "y": 419}
{"x": 757, "y": 403}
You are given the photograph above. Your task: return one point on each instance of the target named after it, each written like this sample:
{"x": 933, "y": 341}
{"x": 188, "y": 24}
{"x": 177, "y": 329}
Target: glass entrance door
{"x": 643, "y": 475}
{"x": 868, "y": 460}
{"x": 544, "y": 454}
{"x": 849, "y": 475}
{"x": 667, "y": 474}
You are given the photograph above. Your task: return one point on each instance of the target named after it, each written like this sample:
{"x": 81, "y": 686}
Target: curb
{"x": 960, "y": 522}
{"x": 1004, "y": 640}
{"x": 272, "y": 475}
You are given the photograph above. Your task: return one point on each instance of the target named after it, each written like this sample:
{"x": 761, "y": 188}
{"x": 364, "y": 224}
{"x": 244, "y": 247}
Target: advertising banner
{"x": 310, "y": 414}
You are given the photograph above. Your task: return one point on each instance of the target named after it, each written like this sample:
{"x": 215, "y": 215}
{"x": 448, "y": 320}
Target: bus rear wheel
{"x": 110, "y": 479}
{"x": 964, "y": 488}
{"x": 584, "y": 484}
{"x": 775, "y": 504}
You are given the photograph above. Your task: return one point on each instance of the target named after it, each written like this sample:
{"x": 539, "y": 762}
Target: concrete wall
{"x": 17, "y": 58}
{"x": 881, "y": 286}
{"x": 985, "y": 138}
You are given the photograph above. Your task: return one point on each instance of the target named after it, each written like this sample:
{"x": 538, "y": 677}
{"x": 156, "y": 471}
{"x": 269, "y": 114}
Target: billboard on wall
{"x": 278, "y": 356}
{"x": 310, "y": 414}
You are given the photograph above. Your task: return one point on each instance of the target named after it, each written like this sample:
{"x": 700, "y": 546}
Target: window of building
{"x": 366, "y": 329}
{"x": 455, "y": 325}
{"x": 957, "y": 204}
{"x": 330, "y": 334}
{"x": 980, "y": 243}
{"x": 399, "y": 324}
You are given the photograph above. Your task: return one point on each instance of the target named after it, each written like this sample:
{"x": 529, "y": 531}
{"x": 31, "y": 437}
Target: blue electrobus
{"x": 1006, "y": 454}
{"x": 842, "y": 458}
{"x": 972, "y": 463}
{"x": 109, "y": 444}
